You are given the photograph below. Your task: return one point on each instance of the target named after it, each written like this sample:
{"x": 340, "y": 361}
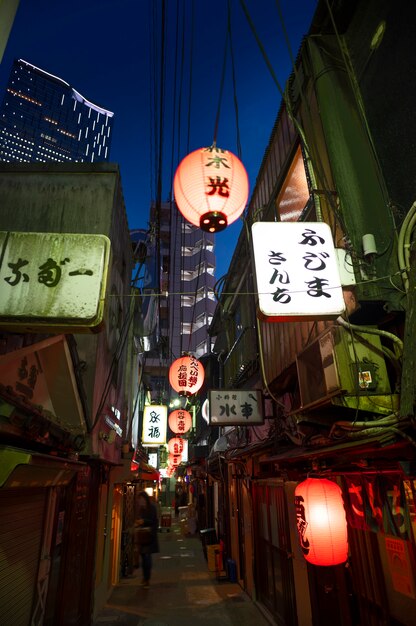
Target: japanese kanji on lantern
{"x": 175, "y": 445}
{"x": 174, "y": 460}
{"x": 211, "y": 188}
{"x": 321, "y": 522}
{"x": 180, "y": 421}
{"x": 186, "y": 375}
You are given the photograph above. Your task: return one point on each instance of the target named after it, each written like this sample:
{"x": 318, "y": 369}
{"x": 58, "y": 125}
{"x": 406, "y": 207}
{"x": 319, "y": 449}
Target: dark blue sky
{"x": 103, "y": 48}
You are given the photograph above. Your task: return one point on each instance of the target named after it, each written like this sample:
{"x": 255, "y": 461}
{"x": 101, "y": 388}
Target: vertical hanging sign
{"x": 154, "y": 424}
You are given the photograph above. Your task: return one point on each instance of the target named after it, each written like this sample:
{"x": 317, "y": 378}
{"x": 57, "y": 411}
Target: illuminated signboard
{"x": 232, "y": 407}
{"x": 154, "y": 424}
{"x": 296, "y": 271}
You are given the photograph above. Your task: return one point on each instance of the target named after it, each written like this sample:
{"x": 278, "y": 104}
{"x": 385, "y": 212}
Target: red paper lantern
{"x": 175, "y": 445}
{"x": 180, "y": 421}
{"x": 211, "y": 188}
{"x": 174, "y": 460}
{"x": 321, "y": 521}
{"x": 186, "y": 375}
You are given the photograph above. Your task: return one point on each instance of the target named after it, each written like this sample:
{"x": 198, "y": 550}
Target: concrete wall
{"x": 82, "y": 198}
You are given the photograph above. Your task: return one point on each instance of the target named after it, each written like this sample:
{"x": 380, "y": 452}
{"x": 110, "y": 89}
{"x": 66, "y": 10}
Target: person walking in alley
{"x": 146, "y": 534}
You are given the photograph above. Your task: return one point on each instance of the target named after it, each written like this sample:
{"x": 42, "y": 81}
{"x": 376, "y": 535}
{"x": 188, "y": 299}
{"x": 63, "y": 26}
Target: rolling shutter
{"x": 21, "y": 526}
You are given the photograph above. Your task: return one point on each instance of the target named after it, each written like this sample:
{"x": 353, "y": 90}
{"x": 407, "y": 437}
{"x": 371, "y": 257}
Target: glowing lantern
{"x": 321, "y": 521}
{"x": 174, "y": 460}
{"x": 180, "y": 421}
{"x": 175, "y": 445}
{"x": 211, "y": 188}
{"x": 186, "y": 375}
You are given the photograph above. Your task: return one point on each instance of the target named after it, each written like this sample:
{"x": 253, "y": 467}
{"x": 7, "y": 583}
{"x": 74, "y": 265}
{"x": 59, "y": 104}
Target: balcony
{"x": 191, "y": 285}
{"x": 202, "y": 306}
{"x": 189, "y": 262}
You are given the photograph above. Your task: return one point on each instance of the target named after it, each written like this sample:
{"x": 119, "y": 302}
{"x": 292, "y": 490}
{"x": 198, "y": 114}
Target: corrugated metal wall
{"x": 282, "y": 341}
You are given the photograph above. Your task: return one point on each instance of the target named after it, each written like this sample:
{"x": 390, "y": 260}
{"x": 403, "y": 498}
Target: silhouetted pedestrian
{"x": 146, "y": 534}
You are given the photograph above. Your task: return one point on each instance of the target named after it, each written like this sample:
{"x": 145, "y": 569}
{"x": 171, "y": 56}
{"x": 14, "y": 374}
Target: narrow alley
{"x": 182, "y": 592}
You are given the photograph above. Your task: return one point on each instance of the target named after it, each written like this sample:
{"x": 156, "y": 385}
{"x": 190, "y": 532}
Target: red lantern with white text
{"x": 175, "y": 445}
{"x": 211, "y": 188}
{"x": 180, "y": 421}
{"x": 321, "y": 521}
{"x": 186, "y": 375}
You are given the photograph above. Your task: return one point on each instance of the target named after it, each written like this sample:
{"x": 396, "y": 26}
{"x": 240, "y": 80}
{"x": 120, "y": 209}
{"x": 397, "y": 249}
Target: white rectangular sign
{"x": 296, "y": 271}
{"x": 155, "y": 417}
{"x": 52, "y": 278}
{"x": 235, "y": 407}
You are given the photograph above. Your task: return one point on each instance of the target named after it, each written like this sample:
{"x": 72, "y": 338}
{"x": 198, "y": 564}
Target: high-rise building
{"x": 43, "y": 118}
{"x": 183, "y": 280}
{"x": 191, "y": 284}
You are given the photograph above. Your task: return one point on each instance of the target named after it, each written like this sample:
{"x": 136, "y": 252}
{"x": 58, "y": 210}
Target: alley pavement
{"x": 183, "y": 592}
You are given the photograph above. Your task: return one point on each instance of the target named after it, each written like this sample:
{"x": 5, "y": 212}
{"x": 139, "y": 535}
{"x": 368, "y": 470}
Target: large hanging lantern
{"x": 175, "y": 445}
{"x": 180, "y": 421}
{"x": 321, "y": 521}
{"x": 186, "y": 375}
{"x": 211, "y": 188}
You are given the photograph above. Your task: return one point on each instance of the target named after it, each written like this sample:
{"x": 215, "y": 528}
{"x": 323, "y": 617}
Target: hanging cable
{"x": 191, "y": 58}
{"x": 262, "y": 50}
{"x": 239, "y": 150}
{"x": 224, "y": 64}
{"x": 312, "y": 165}
{"x": 118, "y": 350}
{"x": 175, "y": 121}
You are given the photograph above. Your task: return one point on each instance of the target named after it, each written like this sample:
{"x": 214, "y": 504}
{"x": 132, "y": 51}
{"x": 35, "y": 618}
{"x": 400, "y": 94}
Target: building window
{"x": 294, "y": 194}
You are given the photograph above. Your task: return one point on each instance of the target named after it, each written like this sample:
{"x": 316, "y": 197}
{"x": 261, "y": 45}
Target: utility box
{"x": 341, "y": 367}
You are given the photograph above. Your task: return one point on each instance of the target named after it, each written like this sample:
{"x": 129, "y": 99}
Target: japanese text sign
{"x": 154, "y": 424}
{"x": 296, "y": 271}
{"x": 52, "y": 279}
{"x": 234, "y": 407}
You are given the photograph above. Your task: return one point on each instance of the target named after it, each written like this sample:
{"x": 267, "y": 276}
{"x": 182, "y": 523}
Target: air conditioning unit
{"x": 344, "y": 368}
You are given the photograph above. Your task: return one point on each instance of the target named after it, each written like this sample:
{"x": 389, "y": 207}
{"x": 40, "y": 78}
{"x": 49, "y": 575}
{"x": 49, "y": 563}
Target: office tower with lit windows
{"x": 191, "y": 282}
{"x": 184, "y": 280}
{"x": 43, "y": 118}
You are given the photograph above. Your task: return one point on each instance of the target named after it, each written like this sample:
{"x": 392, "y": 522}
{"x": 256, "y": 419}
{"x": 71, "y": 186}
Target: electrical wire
{"x": 128, "y": 318}
{"x": 238, "y": 138}
{"x": 221, "y": 90}
{"x": 164, "y": 294}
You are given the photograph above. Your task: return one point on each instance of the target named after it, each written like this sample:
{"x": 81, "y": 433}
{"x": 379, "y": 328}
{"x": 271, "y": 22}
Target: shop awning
{"x": 25, "y": 468}
{"x": 143, "y": 471}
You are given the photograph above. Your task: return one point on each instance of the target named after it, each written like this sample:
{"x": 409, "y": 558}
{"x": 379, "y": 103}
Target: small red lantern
{"x": 180, "y": 421}
{"x": 321, "y": 521}
{"x": 186, "y": 375}
{"x": 211, "y": 188}
{"x": 174, "y": 460}
{"x": 175, "y": 445}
